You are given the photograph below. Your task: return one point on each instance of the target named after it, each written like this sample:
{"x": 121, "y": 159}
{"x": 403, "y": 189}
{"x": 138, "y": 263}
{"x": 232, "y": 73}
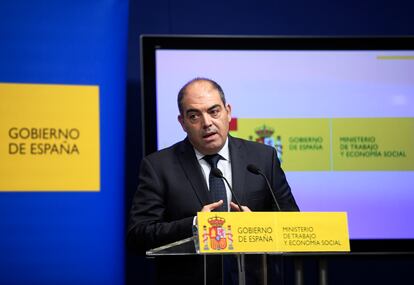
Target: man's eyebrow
{"x": 198, "y": 111}
{"x": 213, "y": 107}
{"x": 192, "y": 111}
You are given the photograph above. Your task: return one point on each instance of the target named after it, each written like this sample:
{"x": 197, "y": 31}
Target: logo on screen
{"x": 265, "y": 136}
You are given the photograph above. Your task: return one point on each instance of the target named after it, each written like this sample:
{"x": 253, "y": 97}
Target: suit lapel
{"x": 192, "y": 170}
{"x": 238, "y": 168}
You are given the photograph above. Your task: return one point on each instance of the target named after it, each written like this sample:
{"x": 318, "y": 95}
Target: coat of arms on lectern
{"x": 220, "y": 237}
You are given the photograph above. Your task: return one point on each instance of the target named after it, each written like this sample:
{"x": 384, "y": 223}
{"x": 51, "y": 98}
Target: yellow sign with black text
{"x": 235, "y": 232}
{"x": 334, "y": 144}
{"x": 49, "y": 137}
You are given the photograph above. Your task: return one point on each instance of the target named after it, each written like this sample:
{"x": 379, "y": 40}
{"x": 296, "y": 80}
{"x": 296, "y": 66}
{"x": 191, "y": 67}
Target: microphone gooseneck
{"x": 255, "y": 170}
{"x": 217, "y": 173}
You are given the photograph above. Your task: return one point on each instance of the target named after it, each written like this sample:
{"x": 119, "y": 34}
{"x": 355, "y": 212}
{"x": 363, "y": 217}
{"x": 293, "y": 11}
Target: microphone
{"x": 217, "y": 173}
{"x": 255, "y": 170}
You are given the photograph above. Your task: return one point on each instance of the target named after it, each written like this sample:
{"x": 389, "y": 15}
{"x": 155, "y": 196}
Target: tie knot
{"x": 212, "y": 159}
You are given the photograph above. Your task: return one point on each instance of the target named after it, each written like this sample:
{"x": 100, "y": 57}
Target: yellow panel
{"x": 234, "y": 232}
{"x": 302, "y": 144}
{"x": 373, "y": 144}
{"x": 49, "y": 138}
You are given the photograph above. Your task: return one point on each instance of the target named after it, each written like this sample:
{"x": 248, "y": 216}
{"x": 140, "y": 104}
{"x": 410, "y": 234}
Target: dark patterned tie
{"x": 217, "y": 188}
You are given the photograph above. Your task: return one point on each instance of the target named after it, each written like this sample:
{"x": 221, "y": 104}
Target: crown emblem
{"x": 264, "y": 131}
{"x": 216, "y": 221}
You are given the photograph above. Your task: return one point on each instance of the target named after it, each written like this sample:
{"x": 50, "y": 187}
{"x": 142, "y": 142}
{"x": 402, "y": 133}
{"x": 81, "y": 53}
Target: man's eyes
{"x": 193, "y": 116}
{"x": 215, "y": 112}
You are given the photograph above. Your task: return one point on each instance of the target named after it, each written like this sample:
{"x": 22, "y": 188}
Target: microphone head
{"x": 217, "y": 172}
{"x": 253, "y": 169}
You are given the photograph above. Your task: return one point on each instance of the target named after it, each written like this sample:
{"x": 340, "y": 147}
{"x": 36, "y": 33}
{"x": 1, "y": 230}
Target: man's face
{"x": 205, "y": 119}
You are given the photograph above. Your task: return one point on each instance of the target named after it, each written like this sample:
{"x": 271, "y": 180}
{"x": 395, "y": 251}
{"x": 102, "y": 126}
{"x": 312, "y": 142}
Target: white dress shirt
{"x": 223, "y": 164}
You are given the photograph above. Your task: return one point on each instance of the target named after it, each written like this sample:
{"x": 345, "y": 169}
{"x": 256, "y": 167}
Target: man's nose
{"x": 206, "y": 120}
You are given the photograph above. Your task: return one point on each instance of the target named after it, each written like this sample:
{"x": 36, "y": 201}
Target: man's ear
{"x": 228, "y": 108}
{"x": 181, "y": 120}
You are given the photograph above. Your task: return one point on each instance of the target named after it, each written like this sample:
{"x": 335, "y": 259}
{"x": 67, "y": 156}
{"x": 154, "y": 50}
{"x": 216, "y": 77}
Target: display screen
{"x": 339, "y": 111}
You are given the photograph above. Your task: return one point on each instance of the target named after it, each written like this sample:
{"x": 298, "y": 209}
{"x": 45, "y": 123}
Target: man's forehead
{"x": 202, "y": 95}
{"x": 200, "y": 85}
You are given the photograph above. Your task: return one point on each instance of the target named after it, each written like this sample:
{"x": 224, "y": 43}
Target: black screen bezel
{"x": 151, "y": 43}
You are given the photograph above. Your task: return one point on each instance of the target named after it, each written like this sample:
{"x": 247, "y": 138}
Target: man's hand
{"x": 212, "y": 206}
{"x": 235, "y": 207}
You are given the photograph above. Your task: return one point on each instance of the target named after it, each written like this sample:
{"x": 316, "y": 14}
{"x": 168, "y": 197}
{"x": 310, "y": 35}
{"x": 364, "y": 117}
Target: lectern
{"x": 275, "y": 233}
{"x": 189, "y": 246}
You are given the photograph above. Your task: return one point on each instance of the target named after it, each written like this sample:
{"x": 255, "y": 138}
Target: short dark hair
{"x": 183, "y": 89}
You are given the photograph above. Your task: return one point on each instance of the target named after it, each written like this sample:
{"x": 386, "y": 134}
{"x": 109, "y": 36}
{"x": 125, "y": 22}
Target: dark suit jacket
{"x": 172, "y": 190}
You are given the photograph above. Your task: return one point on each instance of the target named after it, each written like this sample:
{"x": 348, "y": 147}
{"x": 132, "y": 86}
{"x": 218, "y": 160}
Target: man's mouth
{"x": 208, "y": 135}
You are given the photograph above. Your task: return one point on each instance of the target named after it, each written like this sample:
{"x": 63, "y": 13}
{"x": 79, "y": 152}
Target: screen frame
{"x": 149, "y": 44}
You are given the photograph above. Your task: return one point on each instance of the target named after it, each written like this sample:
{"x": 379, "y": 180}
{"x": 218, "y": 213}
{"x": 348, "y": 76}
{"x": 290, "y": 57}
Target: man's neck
{"x": 224, "y": 151}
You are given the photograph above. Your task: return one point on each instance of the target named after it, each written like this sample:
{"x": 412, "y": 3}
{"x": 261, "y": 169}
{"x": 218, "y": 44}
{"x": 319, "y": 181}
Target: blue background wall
{"x": 263, "y": 17}
{"x": 68, "y": 238}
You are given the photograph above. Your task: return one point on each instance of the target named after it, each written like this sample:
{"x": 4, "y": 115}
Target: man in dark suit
{"x": 174, "y": 183}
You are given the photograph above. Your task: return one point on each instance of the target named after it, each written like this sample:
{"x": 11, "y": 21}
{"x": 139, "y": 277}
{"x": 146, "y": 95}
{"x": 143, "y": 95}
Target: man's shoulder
{"x": 167, "y": 152}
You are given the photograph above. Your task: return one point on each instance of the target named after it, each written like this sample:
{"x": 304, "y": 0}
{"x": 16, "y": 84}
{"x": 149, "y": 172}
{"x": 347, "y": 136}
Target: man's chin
{"x": 208, "y": 145}
{"x": 212, "y": 148}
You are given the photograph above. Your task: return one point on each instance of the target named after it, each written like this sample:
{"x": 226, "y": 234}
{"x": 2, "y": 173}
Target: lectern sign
{"x": 232, "y": 232}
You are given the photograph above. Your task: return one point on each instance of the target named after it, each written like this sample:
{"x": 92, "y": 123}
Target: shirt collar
{"x": 224, "y": 151}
